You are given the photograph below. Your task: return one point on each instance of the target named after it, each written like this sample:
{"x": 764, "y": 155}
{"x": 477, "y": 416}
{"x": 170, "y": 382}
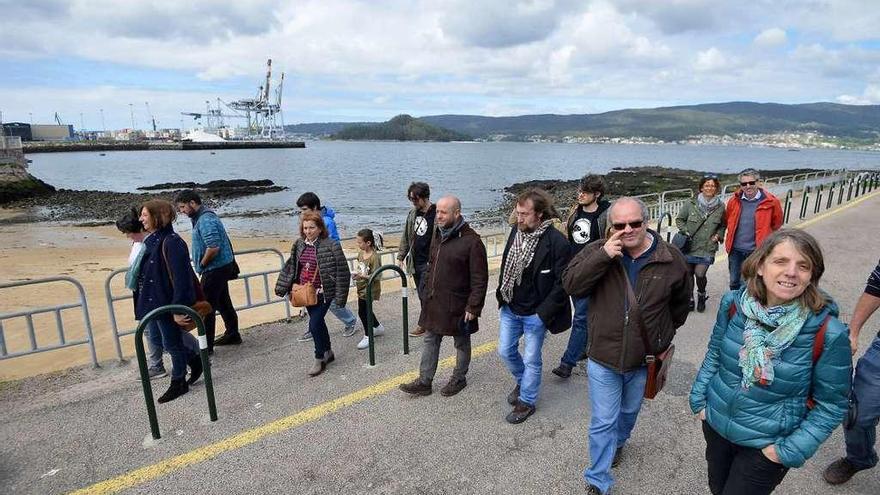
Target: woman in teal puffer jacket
{"x": 758, "y": 381}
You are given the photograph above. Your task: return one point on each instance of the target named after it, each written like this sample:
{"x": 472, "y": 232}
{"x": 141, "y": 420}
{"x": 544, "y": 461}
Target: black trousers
{"x": 738, "y": 470}
{"x": 215, "y": 285}
{"x": 362, "y": 313}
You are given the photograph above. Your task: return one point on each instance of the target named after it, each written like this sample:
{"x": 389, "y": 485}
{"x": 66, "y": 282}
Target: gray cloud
{"x": 499, "y": 24}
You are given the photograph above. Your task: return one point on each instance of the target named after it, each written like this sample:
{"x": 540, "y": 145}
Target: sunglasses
{"x": 710, "y": 176}
{"x": 749, "y": 183}
{"x": 634, "y": 225}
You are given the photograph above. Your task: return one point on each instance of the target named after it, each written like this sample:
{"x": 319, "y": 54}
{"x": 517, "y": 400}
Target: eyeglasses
{"x": 413, "y": 199}
{"x": 748, "y": 183}
{"x": 633, "y": 225}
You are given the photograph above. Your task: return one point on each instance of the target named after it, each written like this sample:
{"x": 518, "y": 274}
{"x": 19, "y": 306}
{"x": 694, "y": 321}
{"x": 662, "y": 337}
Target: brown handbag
{"x": 201, "y": 306}
{"x": 658, "y": 363}
{"x": 303, "y": 295}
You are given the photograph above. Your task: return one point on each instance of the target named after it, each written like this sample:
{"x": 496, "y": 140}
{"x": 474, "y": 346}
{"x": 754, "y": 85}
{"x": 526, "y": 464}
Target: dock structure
{"x": 351, "y": 431}
{"x": 58, "y": 147}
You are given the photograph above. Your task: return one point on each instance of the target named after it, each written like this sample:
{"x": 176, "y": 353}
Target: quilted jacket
{"x": 776, "y": 414}
{"x": 335, "y": 274}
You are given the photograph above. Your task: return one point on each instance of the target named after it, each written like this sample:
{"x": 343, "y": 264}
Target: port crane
{"x": 263, "y": 114}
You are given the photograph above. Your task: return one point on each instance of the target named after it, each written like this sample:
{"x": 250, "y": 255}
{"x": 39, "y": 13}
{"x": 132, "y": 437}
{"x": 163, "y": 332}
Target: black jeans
{"x": 362, "y": 312}
{"x": 419, "y": 272}
{"x": 215, "y": 285}
{"x": 738, "y": 470}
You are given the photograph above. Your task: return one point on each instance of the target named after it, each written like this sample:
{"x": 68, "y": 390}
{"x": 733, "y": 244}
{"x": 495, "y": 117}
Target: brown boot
{"x": 317, "y": 368}
{"x": 416, "y": 387}
{"x": 839, "y": 472}
{"x": 454, "y": 386}
{"x": 417, "y": 331}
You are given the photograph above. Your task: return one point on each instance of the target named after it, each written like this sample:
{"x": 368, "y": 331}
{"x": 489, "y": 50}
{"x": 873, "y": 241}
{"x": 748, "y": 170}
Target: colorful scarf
{"x": 768, "y": 332}
{"x": 134, "y": 268}
{"x": 522, "y": 250}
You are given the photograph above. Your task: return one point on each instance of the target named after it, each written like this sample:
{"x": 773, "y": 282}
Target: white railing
{"x": 10, "y": 143}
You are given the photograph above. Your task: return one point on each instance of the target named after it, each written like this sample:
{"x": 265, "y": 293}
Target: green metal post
{"x": 786, "y": 212}
{"x": 142, "y": 361}
{"x": 818, "y": 199}
{"x": 830, "y": 196}
{"x": 849, "y": 190}
{"x": 840, "y": 194}
{"x": 666, "y": 215}
{"x": 805, "y": 200}
{"x": 404, "y": 306}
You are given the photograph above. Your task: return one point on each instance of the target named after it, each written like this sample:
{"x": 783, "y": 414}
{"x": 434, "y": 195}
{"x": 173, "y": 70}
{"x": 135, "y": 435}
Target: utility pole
{"x": 82, "y": 125}
{"x": 131, "y": 110}
{"x": 31, "y": 115}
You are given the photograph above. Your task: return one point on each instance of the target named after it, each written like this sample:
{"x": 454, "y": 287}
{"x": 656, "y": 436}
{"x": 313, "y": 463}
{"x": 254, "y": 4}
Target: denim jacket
{"x": 208, "y": 232}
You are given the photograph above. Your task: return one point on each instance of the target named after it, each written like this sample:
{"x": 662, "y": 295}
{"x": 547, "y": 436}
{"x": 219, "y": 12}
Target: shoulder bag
{"x": 683, "y": 241}
{"x": 658, "y": 362}
{"x": 201, "y": 306}
{"x": 304, "y": 295}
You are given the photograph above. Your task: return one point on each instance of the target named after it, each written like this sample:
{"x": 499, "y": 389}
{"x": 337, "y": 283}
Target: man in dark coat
{"x": 642, "y": 285}
{"x": 530, "y": 296}
{"x": 455, "y": 290}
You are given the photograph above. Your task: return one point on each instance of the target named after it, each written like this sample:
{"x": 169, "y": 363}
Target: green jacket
{"x": 404, "y": 250}
{"x": 689, "y": 218}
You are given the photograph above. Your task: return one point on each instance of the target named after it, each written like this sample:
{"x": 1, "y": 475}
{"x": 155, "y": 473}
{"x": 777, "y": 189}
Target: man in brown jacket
{"x": 454, "y": 290}
{"x": 635, "y": 257}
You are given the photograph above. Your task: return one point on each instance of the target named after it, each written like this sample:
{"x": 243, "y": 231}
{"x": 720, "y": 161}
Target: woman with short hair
{"x": 703, "y": 219}
{"x": 318, "y": 260}
{"x": 775, "y": 381}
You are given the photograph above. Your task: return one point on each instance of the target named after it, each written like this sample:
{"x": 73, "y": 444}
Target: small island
{"x": 400, "y": 128}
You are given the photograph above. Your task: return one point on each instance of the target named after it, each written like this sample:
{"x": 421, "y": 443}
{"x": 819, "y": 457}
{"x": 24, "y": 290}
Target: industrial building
{"x": 38, "y": 132}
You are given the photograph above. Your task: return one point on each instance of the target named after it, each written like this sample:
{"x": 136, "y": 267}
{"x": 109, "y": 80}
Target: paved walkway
{"x": 350, "y": 431}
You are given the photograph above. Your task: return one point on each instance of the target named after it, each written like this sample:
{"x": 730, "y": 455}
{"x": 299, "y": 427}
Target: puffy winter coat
{"x": 776, "y": 414}
{"x": 332, "y": 265}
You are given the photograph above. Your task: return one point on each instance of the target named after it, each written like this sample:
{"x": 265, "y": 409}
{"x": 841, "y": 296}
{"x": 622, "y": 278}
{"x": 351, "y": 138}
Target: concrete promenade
{"x": 351, "y": 431}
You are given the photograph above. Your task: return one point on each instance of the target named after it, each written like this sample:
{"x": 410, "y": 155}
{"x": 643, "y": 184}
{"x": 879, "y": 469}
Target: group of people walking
{"x": 773, "y": 385}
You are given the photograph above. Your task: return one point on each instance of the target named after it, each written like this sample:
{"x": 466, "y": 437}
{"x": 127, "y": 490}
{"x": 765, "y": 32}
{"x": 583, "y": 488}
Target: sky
{"x": 350, "y": 60}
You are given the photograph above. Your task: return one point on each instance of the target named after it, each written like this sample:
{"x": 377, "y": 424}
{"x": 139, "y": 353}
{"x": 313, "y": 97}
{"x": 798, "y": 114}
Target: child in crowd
{"x": 367, "y": 264}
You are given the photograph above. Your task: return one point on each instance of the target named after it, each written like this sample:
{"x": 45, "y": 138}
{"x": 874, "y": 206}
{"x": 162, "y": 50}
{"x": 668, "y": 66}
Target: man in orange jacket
{"x": 753, "y": 213}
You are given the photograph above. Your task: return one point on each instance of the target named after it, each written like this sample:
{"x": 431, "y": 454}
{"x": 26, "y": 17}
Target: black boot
{"x": 701, "y": 302}
{"x": 691, "y": 304}
{"x": 195, "y": 368}
{"x": 178, "y": 387}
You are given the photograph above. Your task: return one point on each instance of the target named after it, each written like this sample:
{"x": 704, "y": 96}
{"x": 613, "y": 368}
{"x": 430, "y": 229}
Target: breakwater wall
{"x": 33, "y": 147}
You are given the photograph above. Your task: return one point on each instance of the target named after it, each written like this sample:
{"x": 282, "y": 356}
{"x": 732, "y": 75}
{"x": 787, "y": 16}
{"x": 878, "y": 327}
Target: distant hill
{"x": 400, "y": 128}
{"x": 674, "y": 123}
{"x": 860, "y": 122}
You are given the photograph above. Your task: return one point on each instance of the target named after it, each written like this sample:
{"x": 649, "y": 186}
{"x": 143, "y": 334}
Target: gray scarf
{"x": 522, "y": 250}
{"x": 707, "y": 207}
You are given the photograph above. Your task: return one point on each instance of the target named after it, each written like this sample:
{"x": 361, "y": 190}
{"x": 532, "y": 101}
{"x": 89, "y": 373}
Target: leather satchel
{"x": 658, "y": 362}
{"x": 304, "y": 295}
{"x": 682, "y": 241}
{"x": 201, "y": 306}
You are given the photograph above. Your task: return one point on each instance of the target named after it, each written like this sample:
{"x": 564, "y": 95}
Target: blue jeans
{"x": 154, "y": 344}
{"x": 173, "y": 341}
{"x": 734, "y": 264}
{"x": 342, "y": 314}
{"x": 615, "y": 400}
{"x": 861, "y": 436}
{"x": 318, "y": 327}
{"x": 578, "y": 338}
{"x": 526, "y": 369}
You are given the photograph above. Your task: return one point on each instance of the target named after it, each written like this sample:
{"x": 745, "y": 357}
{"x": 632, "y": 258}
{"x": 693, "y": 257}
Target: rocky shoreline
{"x": 103, "y": 207}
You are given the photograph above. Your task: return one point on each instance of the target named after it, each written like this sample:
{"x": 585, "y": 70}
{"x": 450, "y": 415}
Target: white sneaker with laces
{"x": 364, "y": 343}
{"x": 379, "y": 330}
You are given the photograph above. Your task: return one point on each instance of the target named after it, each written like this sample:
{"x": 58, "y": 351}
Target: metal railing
{"x": 145, "y": 373}
{"x": 28, "y": 315}
{"x": 246, "y": 278}
{"x": 404, "y": 307}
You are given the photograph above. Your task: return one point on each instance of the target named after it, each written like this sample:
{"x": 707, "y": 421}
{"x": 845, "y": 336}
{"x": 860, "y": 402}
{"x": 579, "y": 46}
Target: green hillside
{"x": 400, "y": 128}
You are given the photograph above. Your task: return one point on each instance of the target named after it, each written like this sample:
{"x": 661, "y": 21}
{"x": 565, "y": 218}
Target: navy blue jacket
{"x": 154, "y": 288}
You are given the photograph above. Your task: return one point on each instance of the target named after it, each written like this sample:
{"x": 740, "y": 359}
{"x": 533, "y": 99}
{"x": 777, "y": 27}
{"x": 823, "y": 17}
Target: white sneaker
{"x": 364, "y": 343}
{"x": 379, "y": 330}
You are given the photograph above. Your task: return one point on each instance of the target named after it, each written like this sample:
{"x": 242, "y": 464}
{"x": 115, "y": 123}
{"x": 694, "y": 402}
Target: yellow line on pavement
{"x": 201, "y": 454}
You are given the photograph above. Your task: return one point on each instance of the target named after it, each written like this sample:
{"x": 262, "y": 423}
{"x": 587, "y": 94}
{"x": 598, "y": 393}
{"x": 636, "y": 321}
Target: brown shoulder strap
{"x": 633, "y": 302}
